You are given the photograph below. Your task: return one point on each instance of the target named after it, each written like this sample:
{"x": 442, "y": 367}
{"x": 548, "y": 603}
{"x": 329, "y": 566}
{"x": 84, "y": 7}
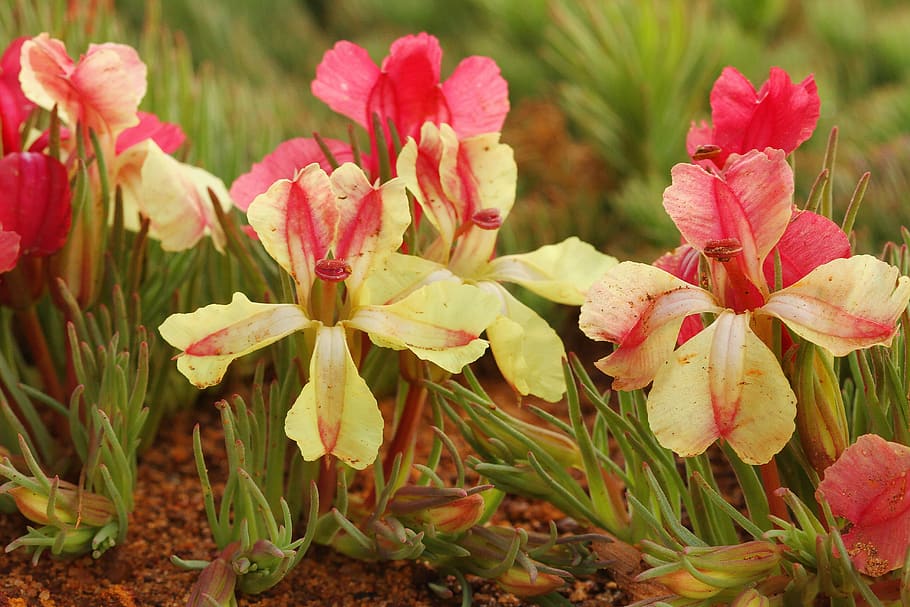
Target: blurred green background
{"x": 602, "y": 92}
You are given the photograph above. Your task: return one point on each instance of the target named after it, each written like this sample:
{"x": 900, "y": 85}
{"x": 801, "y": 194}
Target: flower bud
{"x": 719, "y": 568}
{"x": 519, "y": 582}
{"x": 215, "y": 586}
{"x": 562, "y": 448}
{"x": 751, "y": 598}
{"x": 456, "y": 516}
{"x": 71, "y": 506}
{"x": 448, "y": 510}
{"x": 821, "y": 419}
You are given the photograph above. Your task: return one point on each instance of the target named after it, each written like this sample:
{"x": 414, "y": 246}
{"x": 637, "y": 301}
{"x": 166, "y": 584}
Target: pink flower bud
{"x": 518, "y": 581}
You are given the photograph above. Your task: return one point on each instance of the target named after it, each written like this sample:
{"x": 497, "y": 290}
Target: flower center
{"x": 487, "y": 219}
{"x": 723, "y": 249}
{"x": 333, "y": 270}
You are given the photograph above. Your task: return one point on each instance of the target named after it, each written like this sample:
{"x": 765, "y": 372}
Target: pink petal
{"x": 640, "y": 308}
{"x": 868, "y": 486}
{"x": 283, "y": 163}
{"x": 168, "y": 136}
{"x": 408, "y": 90}
{"x": 682, "y": 263}
{"x": 844, "y": 305}
{"x": 295, "y": 221}
{"x": 809, "y": 241}
{"x": 35, "y": 201}
{"x": 344, "y": 80}
{"x": 780, "y": 115}
{"x": 750, "y": 202}
{"x": 102, "y": 90}
{"x": 9, "y": 250}
{"x": 477, "y": 96}
{"x": 14, "y": 105}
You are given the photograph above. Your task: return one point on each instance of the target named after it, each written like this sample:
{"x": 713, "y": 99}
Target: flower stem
{"x": 771, "y": 481}
{"x": 406, "y": 432}
{"x": 37, "y": 344}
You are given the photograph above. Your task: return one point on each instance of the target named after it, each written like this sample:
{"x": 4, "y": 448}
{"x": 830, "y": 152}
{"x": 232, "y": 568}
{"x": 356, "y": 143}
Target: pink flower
{"x": 14, "y": 105}
{"x": 35, "y": 210}
{"x": 406, "y": 89}
{"x": 166, "y": 135}
{"x": 101, "y": 91}
{"x": 868, "y": 486}
{"x": 288, "y": 158}
{"x": 779, "y": 115}
{"x": 725, "y": 382}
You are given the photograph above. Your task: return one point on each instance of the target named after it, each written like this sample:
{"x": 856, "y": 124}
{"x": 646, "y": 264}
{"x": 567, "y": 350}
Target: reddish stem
{"x": 771, "y": 482}
{"x": 327, "y": 483}
{"x": 406, "y": 433}
{"x": 37, "y": 344}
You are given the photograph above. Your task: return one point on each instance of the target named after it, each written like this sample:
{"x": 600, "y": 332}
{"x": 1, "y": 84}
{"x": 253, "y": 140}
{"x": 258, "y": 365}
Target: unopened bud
{"x": 215, "y": 586}
{"x": 519, "y": 582}
{"x": 751, "y": 598}
{"x": 71, "y": 506}
{"x": 821, "y": 418}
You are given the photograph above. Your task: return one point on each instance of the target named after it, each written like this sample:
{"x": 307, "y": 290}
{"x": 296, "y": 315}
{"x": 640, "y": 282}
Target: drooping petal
{"x": 9, "y": 250}
{"x": 283, "y": 163}
{"x": 844, "y": 305}
{"x": 35, "y": 201}
{"x": 344, "y": 80}
{"x": 440, "y": 322}
{"x": 640, "y": 308}
{"x": 175, "y": 197}
{"x": 213, "y": 336}
{"x": 336, "y": 413}
{"x": 868, "y": 485}
{"x": 560, "y": 272}
{"x": 102, "y": 90}
{"x": 166, "y": 135}
{"x": 750, "y": 203}
{"x": 371, "y": 220}
{"x": 723, "y": 383}
{"x": 477, "y": 96}
{"x": 14, "y": 105}
{"x": 809, "y": 241}
{"x": 296, "y": 220}
{"x": 527, "y": 350}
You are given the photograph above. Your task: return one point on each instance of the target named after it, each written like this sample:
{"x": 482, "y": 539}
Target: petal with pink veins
{"x": 868, "y": 485}
{"x": 750, "y": 202}
{"x": 371, "y": 220}
{"x": 440, "y": 322}
{"x": 213, "y": 336}
{"x": 296, "y": 220}
{"x": 336, "y": 413}
{"x": 640, "y": 308}
{"x": 283, "y": 163}
{"x": 844, "y": 305}
{"x": 723, "y": 383}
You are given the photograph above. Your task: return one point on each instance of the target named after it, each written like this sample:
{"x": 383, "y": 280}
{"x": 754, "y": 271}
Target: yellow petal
{"x": 440, "y": 322}
{"x": 174, "y": 196}
{"x": 336, "y": 413}
{"x": 397, "y": 276}
{"x": 723, "y": 383}
{"x": 213, "y": 336}
{"x": 560, "y": 272}
{"x": 845, "y": 304}
{"x": 641, "y": 308}
{"x": 528, "y": 351}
